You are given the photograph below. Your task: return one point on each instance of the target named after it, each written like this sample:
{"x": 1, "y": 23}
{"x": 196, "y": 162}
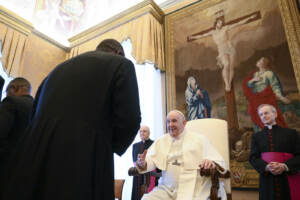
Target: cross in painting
{"x": 226, "y": 55}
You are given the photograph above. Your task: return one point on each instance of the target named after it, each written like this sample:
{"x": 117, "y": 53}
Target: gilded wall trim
{"x": 291, "y": 20}
{"x": 178, "y": 6}
{"x": 16, "y": 22}
{"x": 170, "y": 65}
{"x": 145, "y": 7}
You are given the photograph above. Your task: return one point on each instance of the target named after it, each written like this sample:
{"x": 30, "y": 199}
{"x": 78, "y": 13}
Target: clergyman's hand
{"x": 277, "y": 168}
{"x": 269, "y": 167}
{"x": 207, "y": 164}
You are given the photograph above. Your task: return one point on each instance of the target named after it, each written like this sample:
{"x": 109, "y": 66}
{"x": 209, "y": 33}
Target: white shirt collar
{"x": 270, "y": 126}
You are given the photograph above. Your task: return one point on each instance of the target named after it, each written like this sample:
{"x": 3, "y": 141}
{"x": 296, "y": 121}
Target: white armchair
{"x": 217, "y": 133}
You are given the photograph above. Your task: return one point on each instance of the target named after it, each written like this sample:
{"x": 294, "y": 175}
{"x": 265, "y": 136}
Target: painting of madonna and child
{"x": 228, "y": 59}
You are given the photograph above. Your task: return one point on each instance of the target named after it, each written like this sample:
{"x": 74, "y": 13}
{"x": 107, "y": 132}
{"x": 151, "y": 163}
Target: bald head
{"x": 144, "y": 133}
{"x": 175, "y": 123}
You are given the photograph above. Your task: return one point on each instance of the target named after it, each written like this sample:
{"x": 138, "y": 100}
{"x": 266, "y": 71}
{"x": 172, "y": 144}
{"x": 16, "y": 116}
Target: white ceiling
{"x": 61, "y": 19}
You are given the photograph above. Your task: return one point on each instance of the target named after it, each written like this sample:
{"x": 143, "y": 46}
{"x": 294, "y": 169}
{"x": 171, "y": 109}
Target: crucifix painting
{"x": 237, "y": 56}
{"x": 227, "y": 51}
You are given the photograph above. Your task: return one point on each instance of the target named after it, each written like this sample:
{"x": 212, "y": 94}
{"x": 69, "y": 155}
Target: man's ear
{"x": 184, "y": 122}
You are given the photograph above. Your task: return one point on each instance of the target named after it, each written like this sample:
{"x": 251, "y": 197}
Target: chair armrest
{"x": 215, "y": 174}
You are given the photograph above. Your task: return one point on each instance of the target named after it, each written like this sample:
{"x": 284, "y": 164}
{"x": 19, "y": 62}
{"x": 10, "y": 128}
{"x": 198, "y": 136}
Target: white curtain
{"x": 150, "y": 91}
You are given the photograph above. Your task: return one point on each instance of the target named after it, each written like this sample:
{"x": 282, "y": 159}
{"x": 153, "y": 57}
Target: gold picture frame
{"x": 196, "y": 19}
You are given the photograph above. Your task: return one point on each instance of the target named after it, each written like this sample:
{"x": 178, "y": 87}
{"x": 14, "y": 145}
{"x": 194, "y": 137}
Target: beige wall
{"x": 40, "y": 57}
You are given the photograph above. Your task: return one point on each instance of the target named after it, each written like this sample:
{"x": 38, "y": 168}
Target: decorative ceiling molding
{"x": 50, "y": 40}
{"x": 145, "y": 7}
{"x": 16, "y": 22}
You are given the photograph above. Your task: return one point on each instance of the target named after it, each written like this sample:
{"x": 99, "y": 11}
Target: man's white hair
{"x": 270, "y": 106}
{"x": 178, "y": 112}
{"x": 142, "y": 125}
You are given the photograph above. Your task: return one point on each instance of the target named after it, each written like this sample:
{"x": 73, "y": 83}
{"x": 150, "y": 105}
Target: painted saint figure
{"x": 197, "y": 99}
{"x": 226, "y": 49}
{"x": 264, "y": 87}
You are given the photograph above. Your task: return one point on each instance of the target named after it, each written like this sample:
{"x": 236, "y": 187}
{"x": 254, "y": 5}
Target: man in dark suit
{"x": 143, "y": 183}
{"x": 275, "y": 154}
{"x": 138, "y": 148}
{"x": 15, "y": 112}
{"x": 85, "y": 110}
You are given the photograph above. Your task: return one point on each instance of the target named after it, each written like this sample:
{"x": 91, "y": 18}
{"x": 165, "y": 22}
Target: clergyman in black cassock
{"x": 273, "y": 183}
{"x": 139, "y": 148}
{"x": 85, "y": 110}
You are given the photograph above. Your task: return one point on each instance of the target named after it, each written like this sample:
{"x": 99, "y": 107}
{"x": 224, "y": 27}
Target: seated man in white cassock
{"x": 180, "y": 155}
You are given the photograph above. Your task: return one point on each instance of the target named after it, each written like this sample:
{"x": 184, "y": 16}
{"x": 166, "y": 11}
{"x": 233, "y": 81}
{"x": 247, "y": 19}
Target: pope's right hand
{"x": 141, "y": 162}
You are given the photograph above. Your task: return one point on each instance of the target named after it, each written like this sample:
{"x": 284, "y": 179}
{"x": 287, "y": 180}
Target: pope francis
{"x": 180, "y": 155}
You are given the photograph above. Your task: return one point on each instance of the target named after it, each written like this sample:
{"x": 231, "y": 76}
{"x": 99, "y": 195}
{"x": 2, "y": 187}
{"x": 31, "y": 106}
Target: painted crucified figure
{"x": 226, "y": 49}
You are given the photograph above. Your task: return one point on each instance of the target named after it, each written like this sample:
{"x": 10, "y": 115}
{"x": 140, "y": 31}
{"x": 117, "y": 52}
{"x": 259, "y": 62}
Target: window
{"x": 150, "y": 90}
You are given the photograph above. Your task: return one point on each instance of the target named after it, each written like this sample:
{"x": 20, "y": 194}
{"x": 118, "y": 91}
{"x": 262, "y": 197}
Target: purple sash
{"x": 294, "y": 180}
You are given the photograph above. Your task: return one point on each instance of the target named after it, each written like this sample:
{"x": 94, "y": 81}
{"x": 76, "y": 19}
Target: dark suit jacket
{"x": 85, "y": 110}
{"x": 15, "y": 114}
{"x": 138, "y": 180}
{"x": 137, "y": 147}
{"x": 14, "y": 118}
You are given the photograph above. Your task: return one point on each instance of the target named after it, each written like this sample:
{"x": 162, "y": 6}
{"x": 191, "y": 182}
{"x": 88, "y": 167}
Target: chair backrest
{"x": 119, "y": 183}
{"x": 217, "y": 133}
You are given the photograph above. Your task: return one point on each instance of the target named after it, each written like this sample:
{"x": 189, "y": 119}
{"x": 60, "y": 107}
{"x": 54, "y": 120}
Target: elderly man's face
{"x": 267, "y": 115}
{"x": 144, "y": 133}
{"x": 175, "y": 123}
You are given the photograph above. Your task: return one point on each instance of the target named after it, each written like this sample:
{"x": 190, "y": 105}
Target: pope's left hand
{"x": 207, "y": 164}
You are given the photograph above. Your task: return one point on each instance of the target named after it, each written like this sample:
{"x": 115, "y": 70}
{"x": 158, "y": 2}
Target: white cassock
{"x": 179, "y": 161}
